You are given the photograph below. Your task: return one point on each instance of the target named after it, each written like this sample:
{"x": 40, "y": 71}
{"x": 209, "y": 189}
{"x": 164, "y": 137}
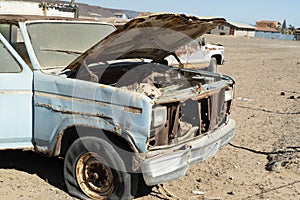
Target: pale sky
{"x": 247, "y": 11}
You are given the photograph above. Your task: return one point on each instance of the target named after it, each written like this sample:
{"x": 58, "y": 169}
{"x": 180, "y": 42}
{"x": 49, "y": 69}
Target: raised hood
{"x": 150, "y": 37}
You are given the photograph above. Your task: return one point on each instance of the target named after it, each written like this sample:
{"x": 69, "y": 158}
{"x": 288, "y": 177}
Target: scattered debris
{"x": 197, "y": 192}
{"x": 292, "y": 97}
{"x": 284, "y": 158}
{"x": 199, "y": 180}
{"x": 164, "y": 193}
{"x": 243, "y": 99}
{"x": 274, "y": 166}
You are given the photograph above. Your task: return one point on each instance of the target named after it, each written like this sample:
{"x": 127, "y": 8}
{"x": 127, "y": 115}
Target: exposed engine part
{"x": 148, "y": 89}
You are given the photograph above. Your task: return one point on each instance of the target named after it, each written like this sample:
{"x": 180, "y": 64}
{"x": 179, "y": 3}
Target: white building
{"x": 242, "y": 29}
{"x": 235, "y": 29}
{"x": 34, "y": 8}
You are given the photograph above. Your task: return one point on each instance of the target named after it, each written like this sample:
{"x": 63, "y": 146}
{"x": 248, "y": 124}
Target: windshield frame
{"x": 24, "y": 28}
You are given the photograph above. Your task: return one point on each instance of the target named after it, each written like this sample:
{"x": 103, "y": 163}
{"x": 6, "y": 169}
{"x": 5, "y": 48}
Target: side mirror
{"x": 203, "y": 41}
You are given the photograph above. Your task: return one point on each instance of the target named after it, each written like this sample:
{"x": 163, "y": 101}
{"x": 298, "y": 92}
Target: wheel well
{"x": 218, "y": 58}
{"x": 73, "y": 133}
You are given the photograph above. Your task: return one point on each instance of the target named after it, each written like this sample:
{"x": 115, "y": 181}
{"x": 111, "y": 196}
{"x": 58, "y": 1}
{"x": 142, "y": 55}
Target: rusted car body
{"x": 158, "y": 119}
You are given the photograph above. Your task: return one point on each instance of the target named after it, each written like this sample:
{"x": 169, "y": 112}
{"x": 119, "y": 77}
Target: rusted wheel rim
{"x": 94, "y": 176}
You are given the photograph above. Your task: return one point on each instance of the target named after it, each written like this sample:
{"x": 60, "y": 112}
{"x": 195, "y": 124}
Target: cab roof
{"x": 15, "y": 19}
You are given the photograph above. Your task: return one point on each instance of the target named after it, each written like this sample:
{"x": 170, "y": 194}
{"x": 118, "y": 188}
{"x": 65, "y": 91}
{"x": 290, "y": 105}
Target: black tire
{"x": 87, "y": 160}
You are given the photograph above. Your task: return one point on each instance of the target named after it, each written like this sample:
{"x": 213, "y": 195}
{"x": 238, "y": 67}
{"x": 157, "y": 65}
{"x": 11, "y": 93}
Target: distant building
{"x": 143, "y": 14}
{"x": 37, "y": 8}
{"x": 121, "y": 16}
{"x": 267, "y": 24}
{"x": 297, "y": 34}
{"x": 241, "y": 29}
{"x": 235, "y": 29}
{"x": 269, "y": 29}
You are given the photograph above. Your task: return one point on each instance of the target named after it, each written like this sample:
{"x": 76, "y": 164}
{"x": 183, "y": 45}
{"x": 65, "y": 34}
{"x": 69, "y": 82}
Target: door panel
{"x": 15, "y": 99}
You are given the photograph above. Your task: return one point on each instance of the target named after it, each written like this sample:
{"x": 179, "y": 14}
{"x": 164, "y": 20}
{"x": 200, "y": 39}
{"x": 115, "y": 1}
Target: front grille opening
{"x": 191, "y": 118}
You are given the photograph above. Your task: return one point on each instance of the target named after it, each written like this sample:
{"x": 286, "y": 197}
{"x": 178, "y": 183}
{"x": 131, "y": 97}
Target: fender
{"x": 53, "y": 146}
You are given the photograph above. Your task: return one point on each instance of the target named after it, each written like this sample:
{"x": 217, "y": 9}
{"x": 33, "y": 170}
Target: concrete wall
{"x": 245, "y": 33}
{"x": 271, "y": 35}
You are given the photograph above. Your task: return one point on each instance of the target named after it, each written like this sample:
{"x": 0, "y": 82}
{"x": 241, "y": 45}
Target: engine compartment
{"x": 152, "y": 79}
{"x": 194, "y": 100}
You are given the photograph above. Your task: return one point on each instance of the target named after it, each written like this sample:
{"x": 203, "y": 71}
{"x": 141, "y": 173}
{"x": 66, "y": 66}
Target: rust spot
{"x": 133, "y": 110}
{"x": 56, "y": 150}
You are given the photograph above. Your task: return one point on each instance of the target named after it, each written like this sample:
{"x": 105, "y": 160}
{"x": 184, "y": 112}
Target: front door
{"x": 15, "y": 99}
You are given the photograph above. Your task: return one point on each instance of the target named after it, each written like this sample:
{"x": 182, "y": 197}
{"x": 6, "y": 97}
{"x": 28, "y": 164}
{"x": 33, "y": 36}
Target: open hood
{"x": 150, "y": 37}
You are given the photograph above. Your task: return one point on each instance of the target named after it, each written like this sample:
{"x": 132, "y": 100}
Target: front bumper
{"x": 173, "y": 162}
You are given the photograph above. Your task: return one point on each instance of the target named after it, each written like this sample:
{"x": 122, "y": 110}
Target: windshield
{"x": 56, "y": 44}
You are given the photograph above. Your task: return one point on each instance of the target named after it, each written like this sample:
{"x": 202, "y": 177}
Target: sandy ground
{"x": 267, "y": 112}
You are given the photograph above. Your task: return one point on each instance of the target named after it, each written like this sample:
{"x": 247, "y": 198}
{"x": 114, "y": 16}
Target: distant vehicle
{"x": 198, "y": 52}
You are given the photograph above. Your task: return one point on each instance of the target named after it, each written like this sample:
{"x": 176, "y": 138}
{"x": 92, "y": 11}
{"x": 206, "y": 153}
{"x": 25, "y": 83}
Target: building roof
{"x": 267, "y": 29}
{"x": 119, "y": 13}
{"x": 267, "y": 21}
{"x": 242, "y": 25}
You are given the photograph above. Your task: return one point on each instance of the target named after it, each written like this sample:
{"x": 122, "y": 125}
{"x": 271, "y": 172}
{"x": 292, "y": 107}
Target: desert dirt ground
{"x": 261, "y": 162}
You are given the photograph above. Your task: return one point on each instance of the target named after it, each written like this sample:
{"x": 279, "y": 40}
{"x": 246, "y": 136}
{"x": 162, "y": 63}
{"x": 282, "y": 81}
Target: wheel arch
{"x": 72, "y": 133}
{"x": 218, "y": 58}
{"x": 70, "y": 130}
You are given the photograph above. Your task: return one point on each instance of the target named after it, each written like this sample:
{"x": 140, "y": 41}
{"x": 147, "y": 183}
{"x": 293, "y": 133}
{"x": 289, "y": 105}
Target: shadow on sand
{"x": 47, "y": 168}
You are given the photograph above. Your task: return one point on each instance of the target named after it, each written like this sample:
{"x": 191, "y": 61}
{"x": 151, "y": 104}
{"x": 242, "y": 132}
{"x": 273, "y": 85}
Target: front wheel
{"x": 94, "y": 169}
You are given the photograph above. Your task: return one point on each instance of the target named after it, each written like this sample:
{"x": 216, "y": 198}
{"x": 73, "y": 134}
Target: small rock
{"x": 292, "y": 97}
{"x": 282, "y": 93}
{"x": 198, "y": 180}
{"x": 231, "y": 193}
{"x": 274, "y": 166}
{"x": 243, "y": 99}
{"x": 231, "y": 178}
{"x": 197, "y": 192}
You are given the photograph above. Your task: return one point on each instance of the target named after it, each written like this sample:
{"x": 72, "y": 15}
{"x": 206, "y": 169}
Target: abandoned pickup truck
{"x": 197, "y": 52}
{"x": 106, "y": 100}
